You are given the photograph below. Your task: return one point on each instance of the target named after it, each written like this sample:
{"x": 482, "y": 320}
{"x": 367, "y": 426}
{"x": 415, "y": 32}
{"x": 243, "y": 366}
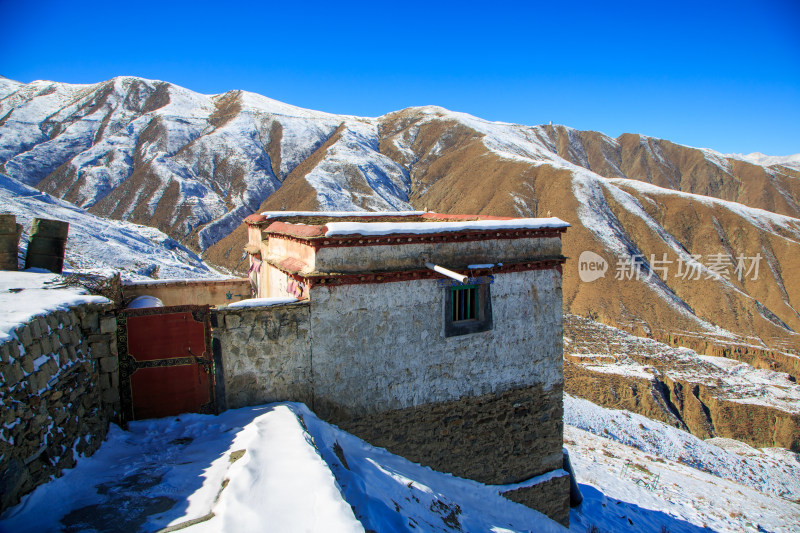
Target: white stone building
{"x": 438, "y": 337}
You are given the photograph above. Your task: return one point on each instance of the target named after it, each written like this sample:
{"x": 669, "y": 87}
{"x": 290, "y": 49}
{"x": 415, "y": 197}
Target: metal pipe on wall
{"x": 445, "y": 272}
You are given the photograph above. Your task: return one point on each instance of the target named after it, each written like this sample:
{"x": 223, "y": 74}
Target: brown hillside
{"x": 452, "y": 171}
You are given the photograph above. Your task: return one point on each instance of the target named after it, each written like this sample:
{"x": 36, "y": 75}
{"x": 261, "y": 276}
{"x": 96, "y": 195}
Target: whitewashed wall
{"x": 361, "y": 258}
{"x": 379, "y": 347}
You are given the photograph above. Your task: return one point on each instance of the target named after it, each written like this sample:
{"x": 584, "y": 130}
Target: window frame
{"x": 482, "y": 320}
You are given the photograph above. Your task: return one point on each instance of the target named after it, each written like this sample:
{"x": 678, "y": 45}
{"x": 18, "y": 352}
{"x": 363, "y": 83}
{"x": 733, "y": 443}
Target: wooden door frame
{"x": 128, "y": 365}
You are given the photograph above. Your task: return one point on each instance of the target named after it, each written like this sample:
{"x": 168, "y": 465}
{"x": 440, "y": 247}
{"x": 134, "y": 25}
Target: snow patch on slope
{"x": 137, "y": 251}
{"x": 673, "y": 444}
{"x": 353, "y": 157}
{"x": 761, "y": 218}
{"x": 757, "y": 158}
{"x": 8, "y": 86}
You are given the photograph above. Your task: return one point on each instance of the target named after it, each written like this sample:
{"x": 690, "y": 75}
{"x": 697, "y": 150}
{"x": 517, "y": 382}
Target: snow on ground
{"x": 270, "y": 468}
{"x": 757, "y": 470}
{"x": 629, "y": 490}
{"x": 26, "y": 294}
{"x": 138, "y": 252}
{"x": 278, "y": 467}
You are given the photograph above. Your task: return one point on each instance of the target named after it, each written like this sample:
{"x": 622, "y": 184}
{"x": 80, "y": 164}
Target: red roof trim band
{"x": 328, "y": 280}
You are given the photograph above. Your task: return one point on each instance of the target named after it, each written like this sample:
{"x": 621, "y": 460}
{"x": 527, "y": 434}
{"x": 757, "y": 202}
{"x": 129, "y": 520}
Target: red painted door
{"x": 166, "y": 366}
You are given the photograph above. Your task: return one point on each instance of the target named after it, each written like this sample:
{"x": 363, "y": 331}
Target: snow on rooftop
{"x": 341, "y": 214}
{"x": 170, "y": 281}
{"x": 261, "y": 302}
{"x": 389, "y": 228}
{"x": 24, "y": 295}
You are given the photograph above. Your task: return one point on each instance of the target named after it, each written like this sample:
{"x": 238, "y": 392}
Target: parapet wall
{"x": 457, "y": 254}
{"x": 59, "y": 390}
{"x": 191, "y": 292}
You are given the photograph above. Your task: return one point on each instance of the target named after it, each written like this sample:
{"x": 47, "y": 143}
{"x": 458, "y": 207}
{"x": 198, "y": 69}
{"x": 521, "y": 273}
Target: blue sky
{"x": 722, "y": 75}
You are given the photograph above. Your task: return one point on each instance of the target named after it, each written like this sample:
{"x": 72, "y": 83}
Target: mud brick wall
{"x": 265, "y": 352}
{"x": 189, "y": 292}
{"x": 497, "y": 439}
{"x": 59, "y": 390}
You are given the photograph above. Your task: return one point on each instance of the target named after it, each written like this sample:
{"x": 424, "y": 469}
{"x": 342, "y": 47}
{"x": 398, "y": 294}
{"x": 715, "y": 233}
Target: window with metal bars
{"x": 468, "y": 309}
{"x": 464, "y": 302}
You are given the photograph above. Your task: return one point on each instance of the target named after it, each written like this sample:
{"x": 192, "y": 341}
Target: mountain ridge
{"x": 195, "y": 165}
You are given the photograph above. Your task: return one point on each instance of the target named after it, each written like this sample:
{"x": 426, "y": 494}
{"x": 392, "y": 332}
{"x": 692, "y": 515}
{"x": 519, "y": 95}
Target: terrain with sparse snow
{"x": 96, "y": 243}
{"x": 707, "y": 395}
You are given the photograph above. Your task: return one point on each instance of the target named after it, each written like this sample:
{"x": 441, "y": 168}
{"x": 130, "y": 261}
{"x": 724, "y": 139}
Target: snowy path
{"x": 279, "y": 468}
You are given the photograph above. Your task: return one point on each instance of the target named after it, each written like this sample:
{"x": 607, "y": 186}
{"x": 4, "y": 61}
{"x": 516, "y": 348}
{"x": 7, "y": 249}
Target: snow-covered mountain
{"x": 158, "y": 154}
{"x": 699, "y": 248}
{"x": 96, "y": 243}
{"x": 791, "y": 161}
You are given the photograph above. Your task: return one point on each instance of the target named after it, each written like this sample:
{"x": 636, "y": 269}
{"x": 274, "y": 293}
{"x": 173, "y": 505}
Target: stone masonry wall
{"x": 497, "y": 439}
{"x": 550, "y": 498}
{"x": 59, "y": 390}
{"x": 266, "y": 353}
{"x": 485, "y": 406}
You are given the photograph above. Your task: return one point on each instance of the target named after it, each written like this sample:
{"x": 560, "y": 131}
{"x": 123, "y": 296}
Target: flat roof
{"x": 309, "y": 224}
{"x": 418, "y": 228}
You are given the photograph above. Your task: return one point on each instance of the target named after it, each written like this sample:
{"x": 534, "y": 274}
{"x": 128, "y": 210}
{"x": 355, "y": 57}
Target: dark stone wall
{"x": 496, "y": 439}
{"x": 550, "y": 497}
{"x": 59, "y": 390}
